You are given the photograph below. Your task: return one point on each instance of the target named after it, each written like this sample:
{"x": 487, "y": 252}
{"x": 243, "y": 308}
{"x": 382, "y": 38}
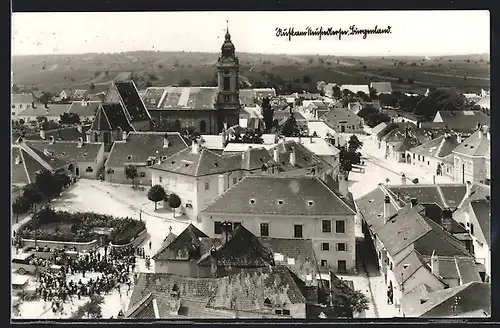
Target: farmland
{"x": 52, "y": 73}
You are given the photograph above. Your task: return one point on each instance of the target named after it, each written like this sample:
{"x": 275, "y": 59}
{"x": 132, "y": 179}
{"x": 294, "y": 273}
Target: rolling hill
{"x": 52, "y": 73}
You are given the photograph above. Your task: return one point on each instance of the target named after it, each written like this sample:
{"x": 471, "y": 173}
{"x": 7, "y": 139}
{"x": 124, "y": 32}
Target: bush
{"x": 82, "y": 226}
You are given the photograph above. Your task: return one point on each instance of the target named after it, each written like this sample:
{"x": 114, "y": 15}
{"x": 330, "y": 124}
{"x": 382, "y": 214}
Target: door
{"x": 297, "y": 230}
{"x": 77, "y": 171}
{"x": 341, "y": 266}
{"x": 342, "y": 128}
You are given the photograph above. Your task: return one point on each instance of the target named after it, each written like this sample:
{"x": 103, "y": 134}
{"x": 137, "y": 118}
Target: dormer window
{"x": 252, "y": 201}
{"x": 164, "y": 158}
{"x": 310, "y": 203}
{"x": 280, "y": 202}
{"x": 129, "y": 157}
{"x": 267, "y": 302}
{"x": 173, "y": 162}
{"x": 216, "y": 164}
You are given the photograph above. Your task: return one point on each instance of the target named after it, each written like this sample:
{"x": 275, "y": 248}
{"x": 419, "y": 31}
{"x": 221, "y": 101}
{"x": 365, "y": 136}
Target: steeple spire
{"x": 228, "y": 36}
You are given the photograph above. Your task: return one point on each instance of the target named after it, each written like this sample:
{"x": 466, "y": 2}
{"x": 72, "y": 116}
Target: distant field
{"x": 54, "y": 72}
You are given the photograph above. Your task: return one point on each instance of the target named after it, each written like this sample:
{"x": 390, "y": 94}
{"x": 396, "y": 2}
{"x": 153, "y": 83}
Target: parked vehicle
{"x": 23, "y": 264}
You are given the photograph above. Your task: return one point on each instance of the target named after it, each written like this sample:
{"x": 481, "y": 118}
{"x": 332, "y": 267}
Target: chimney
{"x": 343, "y": 184}
{"x": 459, "y": 138}
{"x": 468, "y": 186}
{"x": 435, "y": 264}
{"x": 124, "y": 135}
{"x": 222, "y": 183}
{"x": 18, "y": 159}
{"x": 245, "y": 159}
{"x": 80, "y": 142}
{"x": 79, "y": 127}
{"x": 42, "y": 134}
{"x": 403, "y": 179}
{"x": 387, "y": 208}
{"x": 52, "y": 140}
{"x": 166, "y": 142}
{"x": 447, "y": 219}
{"x": 213, "y": 261}
{"x": 46, "y": 105}
{"x": 293, "y": 157}
{"x": 413, "y": 202}
{"x": 87, "y": 137}
{"x": 276, "y": 154}
{"x": 194, "y": 147}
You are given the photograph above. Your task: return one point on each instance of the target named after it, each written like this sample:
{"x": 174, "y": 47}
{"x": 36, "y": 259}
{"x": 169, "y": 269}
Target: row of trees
{"x": 46, "y": 187}
{"x": 157, "y": 194}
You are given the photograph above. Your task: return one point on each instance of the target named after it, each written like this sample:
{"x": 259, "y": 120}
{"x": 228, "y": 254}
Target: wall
{"x": 119, "y": 175}
{"x": 428, "y": 163}
{"x": 57, "y": 244}
{"x": 474, "y": 168}
{"x": 350, "y": 122}
{"x": 282, "y": 226}
{"x": 17, "y": 108}
{"x": 176, "y": 267}
{"x": 334, "y": 161}
{"x": 166, "y": 119}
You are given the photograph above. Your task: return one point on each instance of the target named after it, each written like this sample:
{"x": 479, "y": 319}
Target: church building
{"x": 207, "y": 109}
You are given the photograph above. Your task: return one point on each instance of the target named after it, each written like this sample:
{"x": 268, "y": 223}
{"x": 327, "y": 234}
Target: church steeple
{"x": 228, "y": 102}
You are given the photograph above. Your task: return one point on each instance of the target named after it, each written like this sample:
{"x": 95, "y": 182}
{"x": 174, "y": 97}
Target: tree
{"x": 174, "y": 202}
{"x": 373, "y": 93}
{"x": 45, "y": 98}
{"x": 156, "y": 194}
{"x": 131, "y": 173}
{"x": 19, "y": 206}
{"x": 290, "y": 127}
{"x": 32, "y": 195}
{"x": 310, "y": 60}
{"x": 91, "y": 309}
{"x": 267, "y": 113}
{"x": 48, "y": 184}
{"x": 69, "y": 118}
{"x": 346, "y": 301}
{"x": 354, "y": 143}
{"x": 185, "y": 83}
{"x": 337, "y": 92}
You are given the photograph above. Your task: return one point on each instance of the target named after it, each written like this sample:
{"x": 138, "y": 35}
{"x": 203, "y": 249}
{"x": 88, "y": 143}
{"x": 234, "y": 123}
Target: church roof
{"x": 179, "y": 98}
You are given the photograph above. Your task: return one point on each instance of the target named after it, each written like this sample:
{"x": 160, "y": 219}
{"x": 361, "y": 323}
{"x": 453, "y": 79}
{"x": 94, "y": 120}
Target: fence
{"x": 60, "y": 244}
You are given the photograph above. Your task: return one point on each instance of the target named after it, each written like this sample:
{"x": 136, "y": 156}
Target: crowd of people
{"x": 114, "y": 269}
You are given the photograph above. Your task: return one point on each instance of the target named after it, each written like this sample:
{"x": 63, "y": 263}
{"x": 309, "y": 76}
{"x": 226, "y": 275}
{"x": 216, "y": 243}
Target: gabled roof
{"x": 303, "y": 157}
{"x": 183, "y": 246}
{"x": 180, "y": 98}
{"x": 444, "y": 195}
{"x": 79, "y": 93}
{"x": 464, "y": 119}
{"x": 40, "y": 110}
{"x": 379, "y": 128}
{"x": 199, "y": 163}
{"x": 408, "y": 266}
{"x": 484, "y": 102}
{"x": 19, "y": 172}
{"x": 356, "y": 88}
{"x": 22, "y": 98}
{"x": 482, "y": 211}
{"x": 84, "y": 108}
{"x": 339, "y": 114}
{"x": 67, "y": 134}
{"x": 438, "y": 147}
{"x": 405, "y": 144}
{"x": 111, "y": 117}
{"x": 133, "y": 106}
{"x": 143, "y": 309}
{"x": 472, "y": 296}
{"x": 243, "y": 250}
{"x": 476, "y": 145}
{"x": 247, "y": 96}
{"x": 317, "y": 146}
{"x": 271, "y": 195}
{"x": 68, "y": 151}
{"x": 265, "y": 92}
{"x": 140, "y": 146}
{"x": 382, "y": 87}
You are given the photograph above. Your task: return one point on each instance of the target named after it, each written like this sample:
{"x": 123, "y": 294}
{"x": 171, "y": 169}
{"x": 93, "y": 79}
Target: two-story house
{"x": 343, "y": 120}
{"x": 472, "y": 158}
{"x": 21, "y": 102}
{"x": 290, "y": 207}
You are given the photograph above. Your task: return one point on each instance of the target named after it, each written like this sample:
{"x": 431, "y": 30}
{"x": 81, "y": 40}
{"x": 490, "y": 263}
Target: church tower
{"x": 228, "y": 99}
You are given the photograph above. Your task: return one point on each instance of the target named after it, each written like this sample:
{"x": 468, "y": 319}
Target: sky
{"x": 422, "y": 33}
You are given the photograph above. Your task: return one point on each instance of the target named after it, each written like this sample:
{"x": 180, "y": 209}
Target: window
{"x": 207, "y": 185}
{"x": 340, "y": 226}
{"x": 286, "y": 312}
{"x": 428, "y": 163}
{"x": 277, "y": 311}
{"x": 327, "y": 226}
{"x": 413, "y": 156}
{"x": 235, "y": 180}
{"x": 324, "y": 263}
{"x": 423, "y": 158}
{"x": 390, "y": 265}
{"x": 142, "y": 174}
{"x": 217, "y": 227}
{"x": 89, "y": 169}
{"x": 13, "y": 106}
{"x": 226, "y": 83}
{"x": 325, "y": 246}
{"x": 264, "y": 229}
{"x": 160, "y": 179}
{"x": 471, "y": 229}
{"x": 341, "y": 266}
{"x": 13, "y": 113}
{"x": 341, "y": 247}
{"x": 418, "y": 157}
{"x": 297, "y": 230}
{"x": 203, "y": 127}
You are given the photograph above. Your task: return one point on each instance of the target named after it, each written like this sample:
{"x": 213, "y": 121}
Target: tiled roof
{"x": 298, "y": 196}
{"x": 379, "y": 128}
{"x": 140, "y": 146}
{"x": 476, "y": 145}
{"x": 265, "y": 92}
{"x": 425, "y": 194}
{"x": 249, "y": 289}
{"x": 40, "y": 110}
{"x": 479, "y": 191}
{"x": 203, "y": 162}
{"x": 18, "y": 171}
{"x": 484, "y": 102}
{"x": 407, "y": 267}
{"x": 66, "y": 134}
{"x": 410, "y": 226}
{"x": 111, "y": 117}
{"x": 472, "y": 296}
{"x": 68, "y": 151}
{"x": 356, "y": 88}
{"x": 183, "y": 247}
{"x": 97, "y": 97}
{"x": 132, "y": 103}
{"x": 317, "y": 146}
{"x": 438, "y": 147}
{"x": 303, "y": 157}
{"x": 338, "y": 114}
{"x": 467, "y": 269}
{"x": 405, "y": 144}
{"x": 192, "y": 98}
{"x": 144, "y": 309}
{"x": 22, "y": 98}
{"x": 482, "y": 210}
{"x": 255, "y": 158}
{"x": 464, "y": 119}
{"x": 79, "y": 93}
{"x": 152, "y": 97}
{"x": 247, "y": 96}
{"x": 84, "y": 108}
{"x": 371, "y": 207}
{"x": 453, "y": 194}
{"x": 241, "y": 147}
{"x": 243, "y": 250}
{"x": 382, "y": 87}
